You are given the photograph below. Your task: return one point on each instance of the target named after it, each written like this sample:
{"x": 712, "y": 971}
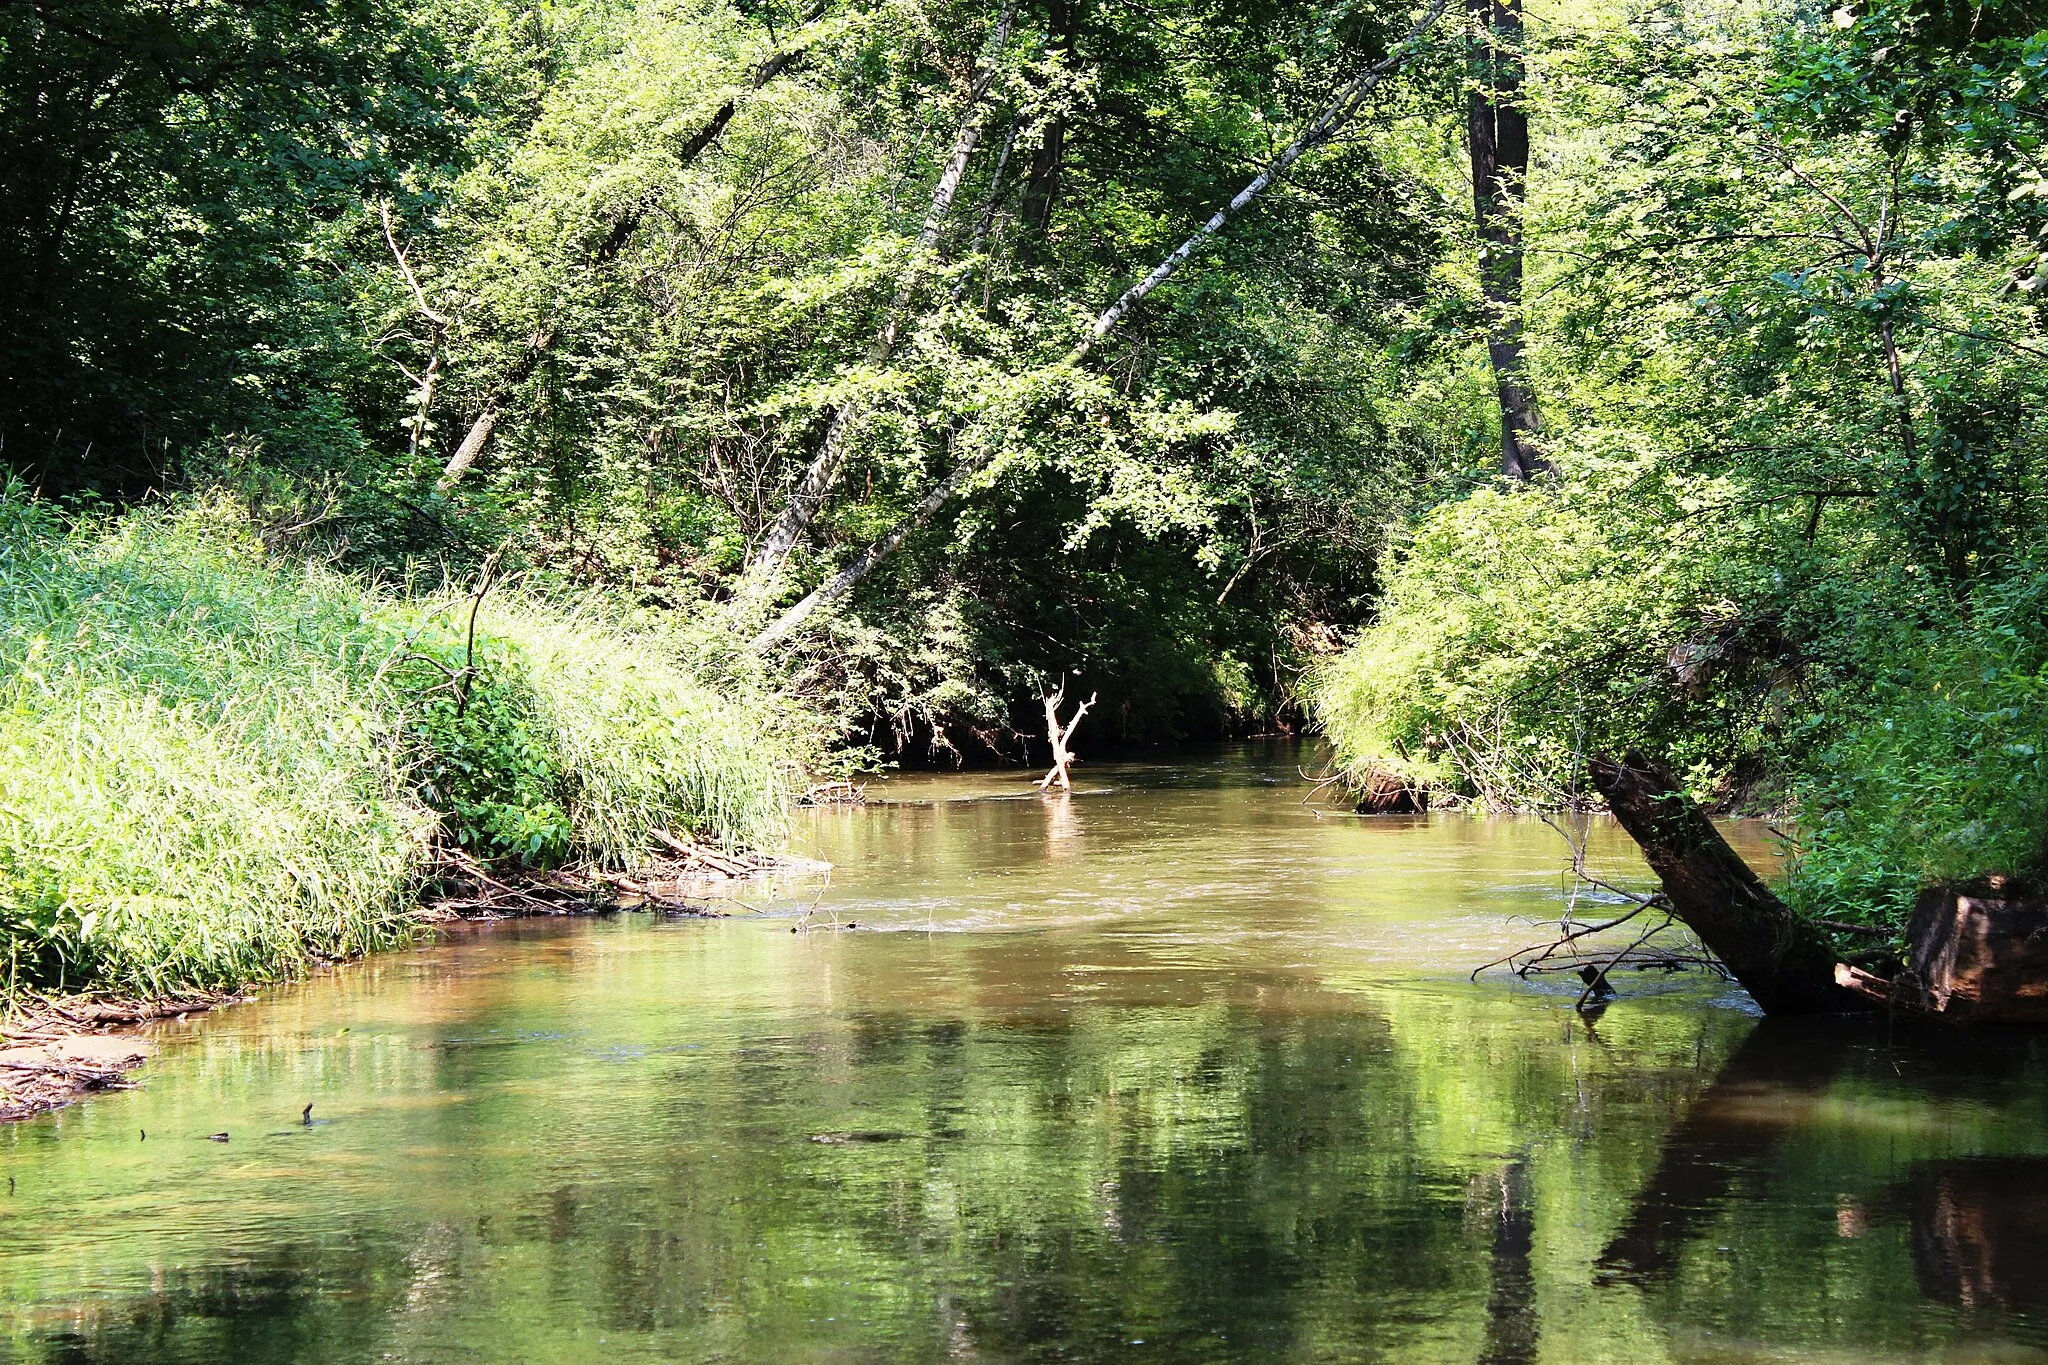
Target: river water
{"x": 1178, "y": 1069}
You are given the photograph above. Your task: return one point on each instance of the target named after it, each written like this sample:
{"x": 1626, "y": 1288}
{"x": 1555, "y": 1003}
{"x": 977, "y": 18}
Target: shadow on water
{"x": 1976, "y": 1224}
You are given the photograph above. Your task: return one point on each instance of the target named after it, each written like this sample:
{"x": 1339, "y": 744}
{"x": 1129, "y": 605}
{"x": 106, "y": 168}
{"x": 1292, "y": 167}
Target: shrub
{"x": 1518, "y": 630}
{"x": 1943, "y": 774}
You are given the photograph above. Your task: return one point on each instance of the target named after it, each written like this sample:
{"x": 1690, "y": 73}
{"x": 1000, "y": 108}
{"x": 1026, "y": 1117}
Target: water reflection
{"x": 1192, "y": 1078}
{"x": 1980, "y": 1232}
{"x": 1774, "y": 1084}
{"x": 1511, "y": 1321}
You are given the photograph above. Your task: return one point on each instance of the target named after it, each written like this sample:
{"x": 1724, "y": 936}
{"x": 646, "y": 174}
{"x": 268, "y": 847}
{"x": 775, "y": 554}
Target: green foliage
{"x": 1788, "y": 262}
{"x": 485, "y": 761}
{"x": 640, "y": 741}
{"x": 1520, "y": 631}
{"x": 216, "y": 764}
{"x": 1941, "y": 775}
{"x": 1783, "y": 314}
{"x": 196, "y": 791}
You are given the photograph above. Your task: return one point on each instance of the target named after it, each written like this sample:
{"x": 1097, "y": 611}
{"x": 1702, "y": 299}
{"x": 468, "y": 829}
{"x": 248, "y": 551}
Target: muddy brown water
{"x": 1173, "y": 1070}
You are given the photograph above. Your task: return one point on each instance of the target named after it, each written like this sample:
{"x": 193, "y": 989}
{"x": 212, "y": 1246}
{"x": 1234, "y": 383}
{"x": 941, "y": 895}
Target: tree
{"x": 1497, "y": 133}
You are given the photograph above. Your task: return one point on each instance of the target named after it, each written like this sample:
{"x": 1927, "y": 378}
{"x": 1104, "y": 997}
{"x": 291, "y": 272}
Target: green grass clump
{"x": 215, "y": 765}
{"x": 641, "y": 743}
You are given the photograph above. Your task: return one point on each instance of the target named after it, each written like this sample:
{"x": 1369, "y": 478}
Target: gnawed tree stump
{"x": 1976, "y": 954}
{"x": 1382, "y": 793}
{"x": 1787, "y": 966}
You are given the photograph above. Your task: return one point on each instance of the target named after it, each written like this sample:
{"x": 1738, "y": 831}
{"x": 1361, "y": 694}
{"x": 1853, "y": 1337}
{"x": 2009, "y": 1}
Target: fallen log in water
{"x": 1786, "y": 964}
{"x": 1976, "y": 954}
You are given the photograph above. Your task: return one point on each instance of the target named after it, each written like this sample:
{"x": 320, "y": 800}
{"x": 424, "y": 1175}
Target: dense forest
{"x": 1488, "y": 388}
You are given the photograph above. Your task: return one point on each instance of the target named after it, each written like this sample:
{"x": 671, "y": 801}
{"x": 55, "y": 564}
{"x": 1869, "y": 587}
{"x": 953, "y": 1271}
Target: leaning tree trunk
{"x": 1787, "y": 966}
{"x": 1333, "y": 118}
{"x": 609, "y": 250}
{"x": 808, "y": 498}
{"x": 1498, "y": 130}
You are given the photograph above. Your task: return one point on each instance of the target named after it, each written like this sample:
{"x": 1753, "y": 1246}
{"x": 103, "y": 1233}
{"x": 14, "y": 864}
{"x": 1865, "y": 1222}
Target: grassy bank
{"x": 216, "y": 763}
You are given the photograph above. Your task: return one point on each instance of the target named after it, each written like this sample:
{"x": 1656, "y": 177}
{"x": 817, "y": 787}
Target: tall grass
{"x": 641, "y": 743}
{"x": 215, "y": 765}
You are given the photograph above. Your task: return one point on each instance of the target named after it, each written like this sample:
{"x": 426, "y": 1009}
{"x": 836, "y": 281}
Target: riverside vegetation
{"x": 1493, "y": 390}
{"x": 217, "y": 765}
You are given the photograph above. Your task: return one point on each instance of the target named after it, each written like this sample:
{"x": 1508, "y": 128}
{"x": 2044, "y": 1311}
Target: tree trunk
{"x": 1977, "y": 954}
{"x": 1042, "y": 185}
{"x": 1498, "y": 131}
{"x": 608, "y": 250}
{"x": 841, "y": 583}
{"x": 808, "y": 498}
{"x": 494, "y": 402}
{"x": 1786, "y": 965}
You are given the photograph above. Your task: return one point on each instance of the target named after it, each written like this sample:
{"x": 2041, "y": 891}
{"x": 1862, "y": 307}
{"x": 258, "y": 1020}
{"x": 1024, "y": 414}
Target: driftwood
{"x": 682, "y": 882}
{"x": 1976, "y": 954}
{"x": 1787, "y": 965}
{"x": 1058, "y": 737}
{"x": 53, "y": 1050}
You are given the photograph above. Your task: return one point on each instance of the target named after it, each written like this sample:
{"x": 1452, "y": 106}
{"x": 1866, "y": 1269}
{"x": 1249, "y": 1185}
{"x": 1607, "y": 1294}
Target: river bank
{"x": 222, "y": 766}
{"x": 57, "y": 1050}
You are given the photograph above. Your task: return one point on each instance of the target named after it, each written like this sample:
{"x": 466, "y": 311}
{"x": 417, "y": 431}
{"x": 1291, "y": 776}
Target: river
{"x": 1178, "y": 1069}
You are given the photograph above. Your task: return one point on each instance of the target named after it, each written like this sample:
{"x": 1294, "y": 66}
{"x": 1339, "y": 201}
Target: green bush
{"x": 1943, "y": 774}
{"x": 215, "y": 765}
{"x": 1517, "y": 631}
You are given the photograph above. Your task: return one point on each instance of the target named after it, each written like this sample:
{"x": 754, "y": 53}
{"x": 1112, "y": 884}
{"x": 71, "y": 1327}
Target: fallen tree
{"x": 1785, "y": 963}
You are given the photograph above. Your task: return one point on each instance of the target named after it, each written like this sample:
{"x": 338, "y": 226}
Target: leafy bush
{"x": 1944, "y": 777}
{"x": 1897, "y": 716}
{"x": 1516, "y": 631}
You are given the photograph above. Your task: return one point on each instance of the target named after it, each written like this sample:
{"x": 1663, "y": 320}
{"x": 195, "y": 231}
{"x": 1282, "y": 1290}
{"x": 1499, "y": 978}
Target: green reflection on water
{"x": 1175, "y": 1071}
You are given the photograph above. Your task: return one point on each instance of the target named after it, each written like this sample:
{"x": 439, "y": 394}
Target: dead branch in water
{"x": 56, "y": 1049}
{"x": 1569, "y": 813}
{"x": 682, "y": 882}
{"x": 1058, "y": 737}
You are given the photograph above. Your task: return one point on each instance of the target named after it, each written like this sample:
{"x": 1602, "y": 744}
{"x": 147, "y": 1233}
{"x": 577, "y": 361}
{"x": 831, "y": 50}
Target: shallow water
{"x": 1175, "y": 1070}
